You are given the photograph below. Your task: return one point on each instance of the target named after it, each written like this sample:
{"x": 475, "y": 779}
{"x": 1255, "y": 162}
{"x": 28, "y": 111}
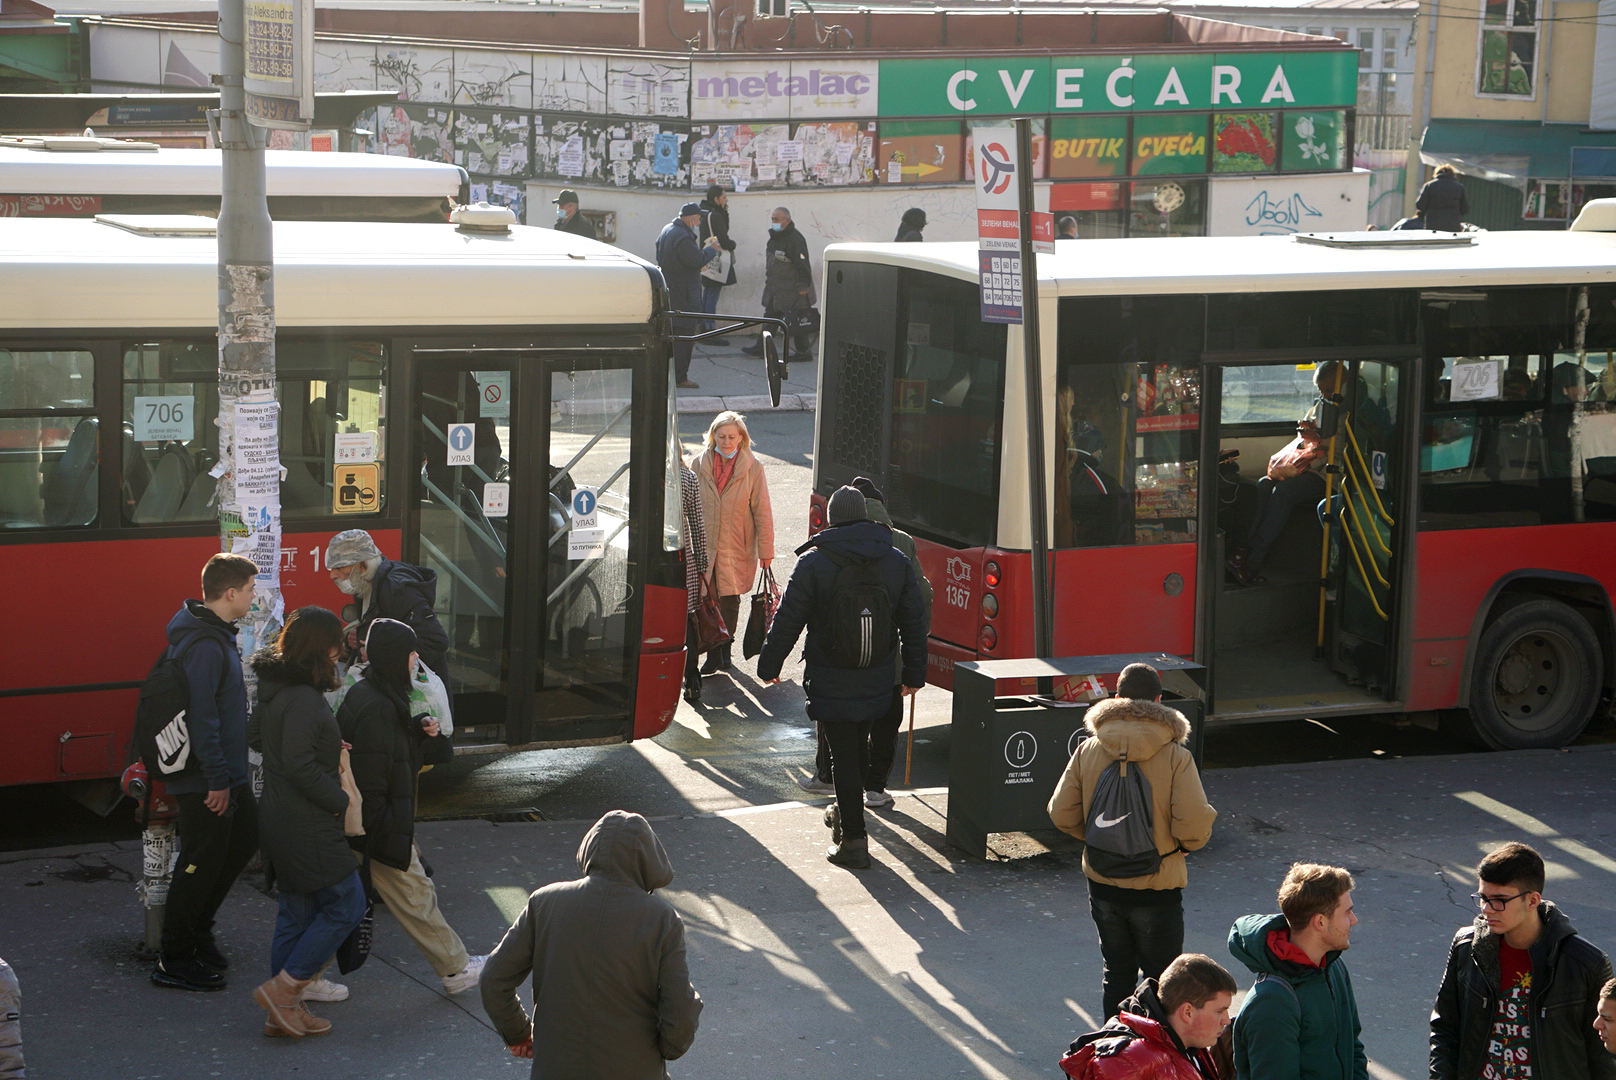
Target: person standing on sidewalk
{"x": 681, "y": 258}
{"x": 1300, "y": 1019}
{"x": 739, "y": 517}
{"x": 848, "y": 566}
{"x": 788, "y": 284}
{"x": 715, "y": 223}
{"x": 218, "y": 819}
{"x": 388, "y": 746}
{"x": 1165, "y": 1031}
{"x": 884, "y": 732}
{"x": 1520, "y": 997}
{"x": 1140, "y": 919}
{"x": 321, "y": 896}
{"x": 611, "y": 986}
{"x": 568, "y": 219}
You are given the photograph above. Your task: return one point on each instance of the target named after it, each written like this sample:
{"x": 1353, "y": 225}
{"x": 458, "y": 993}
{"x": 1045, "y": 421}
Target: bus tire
{"x": 1536, "y": 678}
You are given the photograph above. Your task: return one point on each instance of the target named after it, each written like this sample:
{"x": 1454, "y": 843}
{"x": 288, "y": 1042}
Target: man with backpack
{"x": 853, "y": 591}
{"x": 1171, "y": 1030}
{"x": 218, "y": 821}
{"x": 1133, "y": 795}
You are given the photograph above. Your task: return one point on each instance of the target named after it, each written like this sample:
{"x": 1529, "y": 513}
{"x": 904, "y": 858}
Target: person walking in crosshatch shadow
{"x": 739, "y": 518}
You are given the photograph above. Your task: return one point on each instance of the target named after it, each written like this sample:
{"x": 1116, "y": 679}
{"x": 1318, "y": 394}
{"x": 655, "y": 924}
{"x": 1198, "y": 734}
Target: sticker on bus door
{"x": 586, "y": 539}
{"x": 462, "y": 441}
{"x": 1377, "y": 468}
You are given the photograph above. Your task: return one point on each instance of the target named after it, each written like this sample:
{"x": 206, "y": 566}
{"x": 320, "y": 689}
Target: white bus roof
{"x": 30, "y": 170}
{"x": 62, "y": 273}
{"x": 1275, "y": 263}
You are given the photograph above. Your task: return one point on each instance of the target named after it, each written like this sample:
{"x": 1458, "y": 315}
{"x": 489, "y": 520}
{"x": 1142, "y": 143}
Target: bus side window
{"x": 49, "y": 444}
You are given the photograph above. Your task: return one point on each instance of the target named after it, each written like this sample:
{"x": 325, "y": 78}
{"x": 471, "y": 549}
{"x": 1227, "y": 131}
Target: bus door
{"x": 1301, "y": 537}
{"x": 524, "y": 510}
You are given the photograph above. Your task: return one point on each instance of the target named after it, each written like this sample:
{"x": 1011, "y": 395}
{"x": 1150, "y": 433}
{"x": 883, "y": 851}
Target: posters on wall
{"x": 491, "y": 142}
{"x": 621, "y": 153}
{"x": 745, "y": 156}
{"x": 418, "y": 131}
{"x": 500, "y": 193}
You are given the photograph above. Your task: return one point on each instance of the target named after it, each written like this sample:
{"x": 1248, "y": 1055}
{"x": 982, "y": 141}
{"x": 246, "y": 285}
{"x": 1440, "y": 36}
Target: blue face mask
{"x": 731, "y": 454}
{"x": 775, "y": 226}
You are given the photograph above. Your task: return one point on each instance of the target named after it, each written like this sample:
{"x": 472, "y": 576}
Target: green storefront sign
{"x": 1002, "y": 86}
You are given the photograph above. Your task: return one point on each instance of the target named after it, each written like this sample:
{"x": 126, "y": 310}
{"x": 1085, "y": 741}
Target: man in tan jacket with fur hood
{"x": 1140, "y": 919}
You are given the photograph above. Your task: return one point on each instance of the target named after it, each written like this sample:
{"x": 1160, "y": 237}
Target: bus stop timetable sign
{"x": 586, "y": 539}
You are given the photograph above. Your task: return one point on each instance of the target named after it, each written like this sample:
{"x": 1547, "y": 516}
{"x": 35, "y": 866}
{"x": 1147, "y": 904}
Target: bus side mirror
{"x": 773, "y": 367}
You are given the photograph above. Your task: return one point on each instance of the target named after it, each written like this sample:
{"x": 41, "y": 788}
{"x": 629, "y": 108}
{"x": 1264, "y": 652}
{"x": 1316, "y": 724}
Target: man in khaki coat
{"x": 1140, "y": 919}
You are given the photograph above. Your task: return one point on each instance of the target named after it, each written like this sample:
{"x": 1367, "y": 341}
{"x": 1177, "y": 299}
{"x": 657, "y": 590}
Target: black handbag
{"x": 355, "y": 948}
{"x": 765, "y": 602}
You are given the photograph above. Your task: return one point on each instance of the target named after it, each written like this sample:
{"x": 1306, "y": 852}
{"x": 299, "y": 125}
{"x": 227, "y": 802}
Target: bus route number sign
{"x": 161, "y": 419}
{"x": 586, "y": 539}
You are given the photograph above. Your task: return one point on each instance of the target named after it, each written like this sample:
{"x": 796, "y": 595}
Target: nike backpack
{"x": 861, "y": 614}
{"x": 1120, "y": 832}
{"x": 161, "y": 735}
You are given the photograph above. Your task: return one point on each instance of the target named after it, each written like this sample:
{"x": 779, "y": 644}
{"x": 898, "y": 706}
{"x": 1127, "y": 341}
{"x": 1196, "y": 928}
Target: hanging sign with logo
{"x": 994, "y": 166}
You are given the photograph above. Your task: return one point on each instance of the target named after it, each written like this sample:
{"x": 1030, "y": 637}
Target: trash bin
{"x": 1010, "y": 739}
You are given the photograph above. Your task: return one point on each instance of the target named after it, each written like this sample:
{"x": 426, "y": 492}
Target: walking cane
{"x": 909, "y": 756}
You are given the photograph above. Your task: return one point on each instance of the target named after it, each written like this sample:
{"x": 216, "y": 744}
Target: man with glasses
{"x": 1521, "y": 990}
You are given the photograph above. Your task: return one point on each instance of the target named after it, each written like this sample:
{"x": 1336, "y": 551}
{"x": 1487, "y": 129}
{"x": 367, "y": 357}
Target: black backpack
{"x": 861, "y": 613}
{"x": 1120, "y": 832}
{"x": 161, "y": 735}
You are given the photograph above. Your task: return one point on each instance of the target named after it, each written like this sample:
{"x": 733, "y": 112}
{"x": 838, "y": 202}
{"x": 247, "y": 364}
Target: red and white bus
{"x": 554, "y": 348}
{"x": 1470, "y": 567}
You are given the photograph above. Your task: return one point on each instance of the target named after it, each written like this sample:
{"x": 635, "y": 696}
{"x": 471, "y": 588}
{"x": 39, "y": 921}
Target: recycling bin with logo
{"x": 1010, "y": 737}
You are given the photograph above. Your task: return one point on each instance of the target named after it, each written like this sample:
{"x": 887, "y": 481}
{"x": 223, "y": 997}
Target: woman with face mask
{"x": 740, "y": 522}
{"x": 388, "y": 746}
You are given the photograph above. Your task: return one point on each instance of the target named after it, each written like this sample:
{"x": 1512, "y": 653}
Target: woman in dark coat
{"x": 301, "y": 814}
{"x": 1442, "y": 202}
{"x": 389, "y": 742}
{"x": 914, "y": 220}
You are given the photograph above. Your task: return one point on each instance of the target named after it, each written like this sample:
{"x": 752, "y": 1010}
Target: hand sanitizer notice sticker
{"x": 586, "y": 539}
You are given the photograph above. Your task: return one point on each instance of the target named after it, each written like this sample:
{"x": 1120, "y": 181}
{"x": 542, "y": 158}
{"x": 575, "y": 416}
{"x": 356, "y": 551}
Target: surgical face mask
{"x": 731, "y": 454}
{"x": 561, "y": 214}
{"x": 776, "y": 226}
{"x": 346, "y": 585}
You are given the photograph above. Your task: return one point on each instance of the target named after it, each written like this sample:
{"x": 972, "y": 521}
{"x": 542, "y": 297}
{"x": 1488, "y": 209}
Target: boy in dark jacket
{"x": 1522, "y": 987}
{"x": 1300, "y": 1020}
{"x": 218, "y": 822}
{"x": 847, "y": 700}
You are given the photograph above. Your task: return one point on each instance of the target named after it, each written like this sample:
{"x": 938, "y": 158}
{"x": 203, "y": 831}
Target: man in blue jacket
{"x": 681, "y": 258}
{"x": 848, "y": 699}
{"x": 218, "y": 822}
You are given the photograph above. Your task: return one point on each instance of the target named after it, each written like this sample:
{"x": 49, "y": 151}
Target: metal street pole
{"x": 1042, "y": 628}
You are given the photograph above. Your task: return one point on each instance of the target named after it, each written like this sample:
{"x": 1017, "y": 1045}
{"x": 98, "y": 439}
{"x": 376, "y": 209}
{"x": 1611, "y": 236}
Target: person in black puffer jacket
{"x": 301, "y": 814}
{"x": 388, "y": 747}
{"x": 847, "y": 700}
{"x": 1442, "y": 203}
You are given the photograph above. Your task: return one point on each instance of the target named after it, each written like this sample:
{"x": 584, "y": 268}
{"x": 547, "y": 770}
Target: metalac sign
{"x": 1098, "y": 84}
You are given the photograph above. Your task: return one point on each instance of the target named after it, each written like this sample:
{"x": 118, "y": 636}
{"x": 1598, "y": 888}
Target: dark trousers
{"x": 692, "y": 651}
{"x": 795, "y": 346}
{"x": 1276, "y": 502}
{"x": 681, "y": 354}
{"x": 883, "y": 748}
{"x": 850, "y": 757}
{"x": 213, "y": 850}
{"x": 1137, "y": 942}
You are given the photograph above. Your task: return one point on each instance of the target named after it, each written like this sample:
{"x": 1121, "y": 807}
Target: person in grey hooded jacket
{"x": 611, "y": 989}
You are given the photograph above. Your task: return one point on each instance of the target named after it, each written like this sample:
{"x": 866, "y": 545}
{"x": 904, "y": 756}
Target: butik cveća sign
{"x": 1097, "y": 84}
{"x": 774, "y": 90}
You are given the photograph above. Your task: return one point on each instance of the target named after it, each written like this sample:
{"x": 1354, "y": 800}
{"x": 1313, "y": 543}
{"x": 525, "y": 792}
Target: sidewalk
{"x": 729, "y": 379}
{"x": 929, "y": 964}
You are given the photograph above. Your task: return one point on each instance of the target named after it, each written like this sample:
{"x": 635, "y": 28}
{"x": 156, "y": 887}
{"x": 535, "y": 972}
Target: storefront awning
{"x": 1509, "y": 151}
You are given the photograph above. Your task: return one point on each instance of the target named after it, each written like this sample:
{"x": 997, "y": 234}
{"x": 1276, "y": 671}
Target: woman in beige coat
{"x": 740, "y": 523}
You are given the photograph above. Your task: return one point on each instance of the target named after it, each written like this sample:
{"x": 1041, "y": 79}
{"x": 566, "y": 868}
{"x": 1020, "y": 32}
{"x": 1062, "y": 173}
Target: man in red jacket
{"x": 1166, "y": 1031}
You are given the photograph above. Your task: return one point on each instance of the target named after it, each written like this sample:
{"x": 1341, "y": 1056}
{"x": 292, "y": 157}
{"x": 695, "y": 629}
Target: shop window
{"x": 330, "y": 395}
{"x": 1508, "y": 48}
{"x": 1244, "y": 142}
{"x": 1101, "y": 208}
{"x": 1169, "y": 145}
{"x": 1314, "y": 141}
{"x": 1167, "y": 208}
{"x": 921, "y": 152}
{"x": 50, "y": 444}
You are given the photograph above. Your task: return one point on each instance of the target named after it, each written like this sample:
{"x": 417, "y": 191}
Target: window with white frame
{"x": 1507, "y": 65}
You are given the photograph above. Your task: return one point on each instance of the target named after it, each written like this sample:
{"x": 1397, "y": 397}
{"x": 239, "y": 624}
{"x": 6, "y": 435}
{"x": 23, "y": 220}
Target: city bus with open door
{"x": 1445, "y": 546}
{"x": 466, "y": 394}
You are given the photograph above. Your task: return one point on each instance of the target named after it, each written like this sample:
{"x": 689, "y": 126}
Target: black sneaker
{"x": 186, "y": 974}
{"x": 209, "y": 956}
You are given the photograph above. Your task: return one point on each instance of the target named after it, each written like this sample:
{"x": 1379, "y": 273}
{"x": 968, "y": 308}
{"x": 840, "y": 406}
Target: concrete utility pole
{"x": 249, "y": 428}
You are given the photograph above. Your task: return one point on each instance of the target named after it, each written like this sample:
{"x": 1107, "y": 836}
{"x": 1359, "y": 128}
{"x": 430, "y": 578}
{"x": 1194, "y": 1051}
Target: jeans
{"x": 1137, "y": 942}
{"x": 311, "y": 925}
{"x": 1276, "y": 501}
{"x": 213, "y": 851}
{"x": 709, "y": 299}
{"x": 850, "y": 758}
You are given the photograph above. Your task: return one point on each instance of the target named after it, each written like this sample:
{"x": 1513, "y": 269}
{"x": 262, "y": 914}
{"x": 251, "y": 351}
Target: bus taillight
{"x": 816, "y": 517}
{"x": 990, "y": 606}
{"x": 990, "y": 574}
{"x": 988, "y": 639}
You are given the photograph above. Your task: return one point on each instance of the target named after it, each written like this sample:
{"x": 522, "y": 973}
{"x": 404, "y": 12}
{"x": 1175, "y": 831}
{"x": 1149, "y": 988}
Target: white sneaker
{"x": 325, "y": 990}
{"x": 815, "y": 786}
{"x": 877, "y": 798}
{"x": 465, "y": 980}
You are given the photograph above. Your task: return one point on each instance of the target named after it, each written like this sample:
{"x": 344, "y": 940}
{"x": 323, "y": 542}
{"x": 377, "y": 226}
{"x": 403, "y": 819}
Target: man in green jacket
{"x": 1300, "y": 1020}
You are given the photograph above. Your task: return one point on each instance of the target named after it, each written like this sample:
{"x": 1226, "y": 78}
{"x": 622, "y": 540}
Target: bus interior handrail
{"x": 566, "y": 470}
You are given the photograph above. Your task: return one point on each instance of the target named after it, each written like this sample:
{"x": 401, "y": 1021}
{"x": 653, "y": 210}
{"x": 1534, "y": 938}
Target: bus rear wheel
{"x": 1536, "y": 678}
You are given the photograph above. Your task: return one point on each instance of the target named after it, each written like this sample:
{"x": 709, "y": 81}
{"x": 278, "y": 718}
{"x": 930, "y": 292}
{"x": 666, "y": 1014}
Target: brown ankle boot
{"x": 279, "y": 998}
{"x": 312, "y": 1025}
